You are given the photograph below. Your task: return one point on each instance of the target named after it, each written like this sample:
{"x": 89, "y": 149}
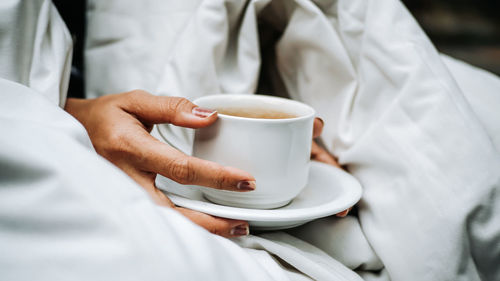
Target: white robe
{"x": 418, "y": 129}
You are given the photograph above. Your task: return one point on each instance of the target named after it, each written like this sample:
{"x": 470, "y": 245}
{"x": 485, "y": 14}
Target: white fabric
{"x": 35, "y": 47}
{"x": 304, "y": 257}
{"x": 482, "y": 91}
{"x": 342, "y": 239}
{"x": 394, "y": 113}
{"x": 66, "y": 213}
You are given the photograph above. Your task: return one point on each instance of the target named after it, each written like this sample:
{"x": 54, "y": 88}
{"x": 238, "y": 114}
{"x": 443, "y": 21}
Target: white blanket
{"x": 66, "y": 213}
{"x": 424, "y": 146}
{"x": 401, "y": 117}
{"x": 419, "y": 130}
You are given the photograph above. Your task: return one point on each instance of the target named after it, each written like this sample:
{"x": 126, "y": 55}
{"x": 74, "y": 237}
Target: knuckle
{"x": 117, "y": 143}
{"x": 218, "y": 228}
{"x": 134, "y": 96}
{"x": 136, "y": 93}
{"x": 213, "y": 229}
{"x": 176, "y": 104}
{"x": 220, "y": 179}
{"x": 181, "y": 171}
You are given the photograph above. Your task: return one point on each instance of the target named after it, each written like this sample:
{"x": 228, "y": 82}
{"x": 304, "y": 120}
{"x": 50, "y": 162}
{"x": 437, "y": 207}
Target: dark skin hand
{"x": 119, "y": 127}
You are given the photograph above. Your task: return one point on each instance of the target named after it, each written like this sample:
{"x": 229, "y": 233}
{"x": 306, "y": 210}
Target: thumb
{"x": 179, "y": 111}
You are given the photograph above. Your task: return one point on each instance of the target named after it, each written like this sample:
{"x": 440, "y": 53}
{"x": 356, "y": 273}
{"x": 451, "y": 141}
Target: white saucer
{"x": 330, "y": 190}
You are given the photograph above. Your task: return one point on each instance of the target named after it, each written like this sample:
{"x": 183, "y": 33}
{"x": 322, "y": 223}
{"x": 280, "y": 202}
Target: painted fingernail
{"x": 246, "y": 185}
{"x": 203, "y": 112}
{"x": 240, "y": 230}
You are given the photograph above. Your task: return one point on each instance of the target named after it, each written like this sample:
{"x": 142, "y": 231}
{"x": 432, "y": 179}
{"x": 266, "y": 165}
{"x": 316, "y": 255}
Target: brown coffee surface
{"x": 250, "y": 112}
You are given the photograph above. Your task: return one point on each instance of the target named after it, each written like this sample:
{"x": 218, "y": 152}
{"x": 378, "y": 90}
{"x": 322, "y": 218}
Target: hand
{"x": 119, "y": 126}
{"x": 320, "y": 154}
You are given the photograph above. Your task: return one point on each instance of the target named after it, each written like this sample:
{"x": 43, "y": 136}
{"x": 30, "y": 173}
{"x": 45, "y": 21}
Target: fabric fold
{"x": 402, "y": 119}
{"x": 36, "y": 48}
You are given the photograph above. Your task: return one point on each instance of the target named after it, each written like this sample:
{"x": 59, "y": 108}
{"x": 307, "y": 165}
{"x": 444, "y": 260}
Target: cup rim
{"x": 311, "y": 110}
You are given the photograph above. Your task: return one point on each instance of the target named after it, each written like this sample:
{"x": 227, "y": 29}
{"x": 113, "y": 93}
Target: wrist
{"x": 78, "y": 108}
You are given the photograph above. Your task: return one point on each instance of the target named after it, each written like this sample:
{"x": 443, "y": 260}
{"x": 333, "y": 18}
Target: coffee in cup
{"x": 255, "y": 112}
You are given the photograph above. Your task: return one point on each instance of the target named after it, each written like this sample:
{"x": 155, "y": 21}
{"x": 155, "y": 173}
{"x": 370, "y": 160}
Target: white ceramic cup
{"x": 275, "y": 151}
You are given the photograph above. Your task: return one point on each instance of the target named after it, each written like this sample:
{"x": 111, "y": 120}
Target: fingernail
{"x": 321, "y": 120}
{"x": 342, "y": 214}
{"x": 246, "y": 185}
{"x": 240, "y": 230}
{"x": 203, "y": 112}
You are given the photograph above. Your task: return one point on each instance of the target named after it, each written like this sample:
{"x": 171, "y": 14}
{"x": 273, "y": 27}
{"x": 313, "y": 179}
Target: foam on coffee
{"x": 255, "y": 112}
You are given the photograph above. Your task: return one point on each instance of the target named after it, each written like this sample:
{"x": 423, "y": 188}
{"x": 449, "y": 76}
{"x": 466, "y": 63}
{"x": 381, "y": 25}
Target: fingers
{"x": 220, "y": 226}
{"x": 216, "y": 225}
{"x": 155, "y": 156}
{"x": 153, "y": 109}
{"x": 321, "y": 155}
{"x": 317, "y": 127}
{"x": 343, "y": 213}
{"x": 150, "y": 155}
{"x": 317, "y": 152}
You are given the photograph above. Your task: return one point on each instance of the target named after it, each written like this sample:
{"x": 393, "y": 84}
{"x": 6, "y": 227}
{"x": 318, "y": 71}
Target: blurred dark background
{"x": 465, "y": 29}
{"x": 73, "y": 14}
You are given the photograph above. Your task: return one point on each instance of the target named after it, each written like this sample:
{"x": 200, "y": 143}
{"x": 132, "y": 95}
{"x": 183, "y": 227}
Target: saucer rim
{"x": 350, "y": 195}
